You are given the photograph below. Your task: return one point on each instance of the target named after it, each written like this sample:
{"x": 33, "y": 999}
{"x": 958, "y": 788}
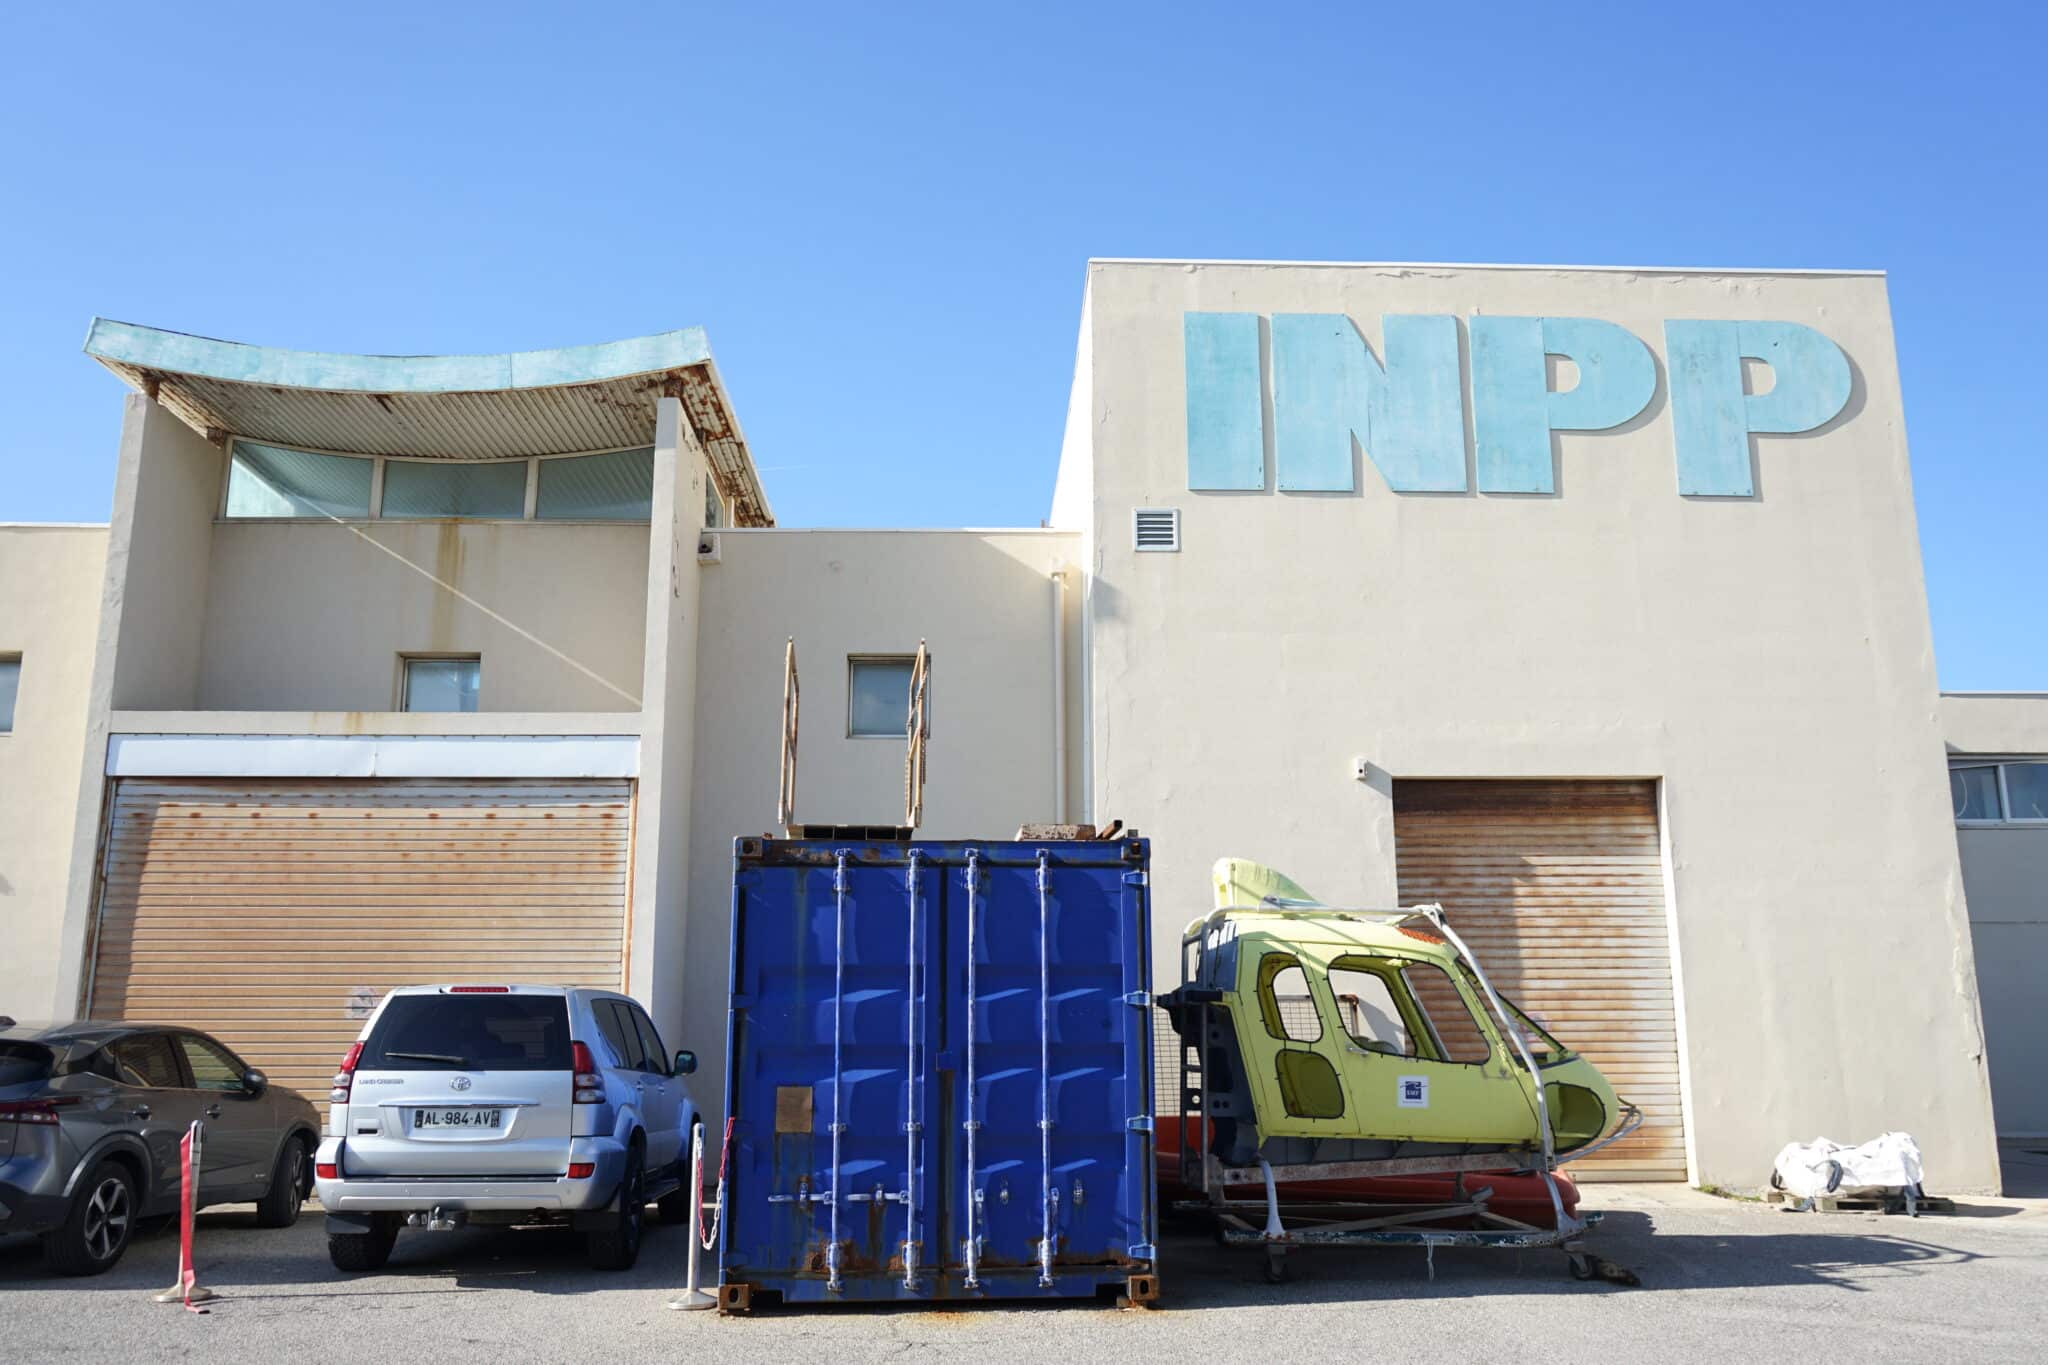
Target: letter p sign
{"x": 1712, "y": 418}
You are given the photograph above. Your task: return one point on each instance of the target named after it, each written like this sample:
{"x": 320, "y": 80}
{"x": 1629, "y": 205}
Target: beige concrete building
{"x": 49, "y": 605}
{"x": 1587, "y": 602}
{"x": 1998, "y": 782}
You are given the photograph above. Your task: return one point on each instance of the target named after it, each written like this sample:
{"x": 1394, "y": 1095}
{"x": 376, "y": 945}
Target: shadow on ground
{"x": 246, "y": 1263}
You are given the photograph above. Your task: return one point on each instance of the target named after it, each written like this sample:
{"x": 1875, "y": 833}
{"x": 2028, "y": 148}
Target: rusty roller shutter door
{"x": 1559, "y": 889}
{"x": 270, "y": 913}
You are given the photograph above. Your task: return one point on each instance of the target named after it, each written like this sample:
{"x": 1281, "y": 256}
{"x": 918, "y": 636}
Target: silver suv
{"x": 507, "y": 1105}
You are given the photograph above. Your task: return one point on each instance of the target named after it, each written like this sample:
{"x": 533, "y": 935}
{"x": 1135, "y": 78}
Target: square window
{"x": 10, "y": 687}
{"x": 441, "y": 684}
{"x": 878, "y": 695}
{"x": 1975, "y": 792}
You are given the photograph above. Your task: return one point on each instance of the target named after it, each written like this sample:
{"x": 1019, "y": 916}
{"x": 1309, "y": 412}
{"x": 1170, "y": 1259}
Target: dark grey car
{"x": 91, "y": 1115}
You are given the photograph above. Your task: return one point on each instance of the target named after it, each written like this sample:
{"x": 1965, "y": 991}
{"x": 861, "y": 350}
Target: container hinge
{"x": 1141, "y": 999}
{"x": 1140, "y": 1124}
{"x": 1135, "y": 878}
{"x": 1142, "y": 1251}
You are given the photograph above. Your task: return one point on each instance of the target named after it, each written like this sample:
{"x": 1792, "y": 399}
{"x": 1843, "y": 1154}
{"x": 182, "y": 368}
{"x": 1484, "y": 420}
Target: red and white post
{"x": 187, "y": 1290}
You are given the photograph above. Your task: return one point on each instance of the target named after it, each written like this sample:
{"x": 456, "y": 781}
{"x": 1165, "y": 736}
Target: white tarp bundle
{"x": 1806, "y": 1169}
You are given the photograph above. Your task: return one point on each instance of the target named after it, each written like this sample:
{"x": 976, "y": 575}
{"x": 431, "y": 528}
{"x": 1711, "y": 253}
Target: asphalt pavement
{"x": 1721, "y": 1280}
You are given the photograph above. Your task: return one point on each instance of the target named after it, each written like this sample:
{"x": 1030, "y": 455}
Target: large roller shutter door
{"x": 1559, "y": 889}
{"x": 272, "y": 913}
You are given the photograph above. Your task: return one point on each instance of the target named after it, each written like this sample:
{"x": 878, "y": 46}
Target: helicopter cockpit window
{"x": 1366, "y": 1008}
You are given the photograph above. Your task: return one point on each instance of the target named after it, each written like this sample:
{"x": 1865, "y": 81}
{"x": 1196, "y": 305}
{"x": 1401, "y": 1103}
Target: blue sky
{"x": 881, "y": 213}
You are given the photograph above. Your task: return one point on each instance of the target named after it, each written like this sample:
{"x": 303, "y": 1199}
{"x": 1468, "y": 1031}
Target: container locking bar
{"x": 971, "y": 1253}
{"x": 832, "y": 1280}
{"x": 1049, "y": 1198}
{"x": 910, "y": 1124}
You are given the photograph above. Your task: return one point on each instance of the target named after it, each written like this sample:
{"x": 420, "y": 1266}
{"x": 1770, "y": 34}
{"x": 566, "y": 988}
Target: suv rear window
{"x": 23, "y": 1063}
{"x": 470, "y": 1033}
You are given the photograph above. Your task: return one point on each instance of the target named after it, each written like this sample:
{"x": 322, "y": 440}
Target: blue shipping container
{"x": 939, "y": 1070}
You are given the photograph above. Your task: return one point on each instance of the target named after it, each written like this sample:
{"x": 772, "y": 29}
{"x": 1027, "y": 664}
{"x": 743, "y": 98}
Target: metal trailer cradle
{"x": 939, "y": 1072}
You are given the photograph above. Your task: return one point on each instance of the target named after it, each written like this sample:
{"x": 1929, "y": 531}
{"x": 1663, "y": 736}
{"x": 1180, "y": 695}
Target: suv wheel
{"x": 617, "y": 1247}
{"x": 95, "y": 1232}
{"x": 279, "y": 1207}
{"x": 361, "y": 1251}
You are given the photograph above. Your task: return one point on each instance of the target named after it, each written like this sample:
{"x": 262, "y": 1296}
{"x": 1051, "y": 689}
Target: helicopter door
{"x": 1297, "y": 1087}
{"x": 1417, "y": 1059}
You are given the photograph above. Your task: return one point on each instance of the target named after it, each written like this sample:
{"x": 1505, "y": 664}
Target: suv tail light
{"x": 345, "y": 1078}
{"x": 36, "y": 1111}
{"x": 589, "y": 1082}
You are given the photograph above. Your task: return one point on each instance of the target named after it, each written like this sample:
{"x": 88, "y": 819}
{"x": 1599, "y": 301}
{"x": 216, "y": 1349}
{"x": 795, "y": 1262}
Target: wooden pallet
{"x": 1891, "y": 1201}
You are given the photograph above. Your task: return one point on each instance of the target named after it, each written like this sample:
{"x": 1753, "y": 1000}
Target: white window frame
{"x": 405, "y": 661}
{"x": 872, "y": 657}
{"x": 2005, "y": 815}
{"x": 377, "y": 463}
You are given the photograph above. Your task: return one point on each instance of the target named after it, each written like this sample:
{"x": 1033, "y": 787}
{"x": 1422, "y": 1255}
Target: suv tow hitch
{"x": 438, "y": 1219}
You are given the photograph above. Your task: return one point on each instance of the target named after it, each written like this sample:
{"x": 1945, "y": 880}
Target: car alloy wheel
{"x": 295, "y": 1171}
{"x": 633, "y": 1204}
{"x": 107, "y": 1217}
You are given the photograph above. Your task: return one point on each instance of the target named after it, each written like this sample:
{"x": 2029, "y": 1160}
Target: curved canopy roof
{"x": 457, "y": 407}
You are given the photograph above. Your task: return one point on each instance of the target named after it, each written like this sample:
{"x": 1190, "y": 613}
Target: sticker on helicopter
{"x": 1413, "y": 1092}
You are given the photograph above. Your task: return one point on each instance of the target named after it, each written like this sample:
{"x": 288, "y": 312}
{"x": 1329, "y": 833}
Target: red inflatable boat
{"x": 1524, "y": 1197}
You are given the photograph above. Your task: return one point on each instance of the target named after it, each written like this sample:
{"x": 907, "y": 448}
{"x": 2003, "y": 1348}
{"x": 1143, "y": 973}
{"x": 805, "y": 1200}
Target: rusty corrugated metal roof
{"x": 555, "y": 402}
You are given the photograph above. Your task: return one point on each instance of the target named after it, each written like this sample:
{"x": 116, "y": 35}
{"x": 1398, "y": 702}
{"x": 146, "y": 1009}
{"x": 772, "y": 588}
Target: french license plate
{"x": 456, "y": 1118}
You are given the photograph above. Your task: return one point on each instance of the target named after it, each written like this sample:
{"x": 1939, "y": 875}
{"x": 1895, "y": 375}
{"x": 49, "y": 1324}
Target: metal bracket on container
{"x": 1142, "y": 1251}
{"x": 1136, "y": 879}
{"x": 1139, "y": 999}
{"x": 1141, "y": 1123}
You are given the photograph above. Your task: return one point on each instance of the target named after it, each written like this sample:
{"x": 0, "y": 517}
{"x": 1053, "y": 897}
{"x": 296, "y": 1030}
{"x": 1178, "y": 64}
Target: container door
{"x": 1058, "y": 1043}
{"x": 833, "y": 1049}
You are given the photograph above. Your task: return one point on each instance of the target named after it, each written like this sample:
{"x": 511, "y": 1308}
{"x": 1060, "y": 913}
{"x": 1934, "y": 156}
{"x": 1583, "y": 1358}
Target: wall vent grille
{"x": 1155, "y": 528}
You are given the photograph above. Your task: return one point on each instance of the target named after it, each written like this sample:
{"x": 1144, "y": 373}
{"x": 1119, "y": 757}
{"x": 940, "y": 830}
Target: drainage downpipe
{"x": 1059, "y": 696}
